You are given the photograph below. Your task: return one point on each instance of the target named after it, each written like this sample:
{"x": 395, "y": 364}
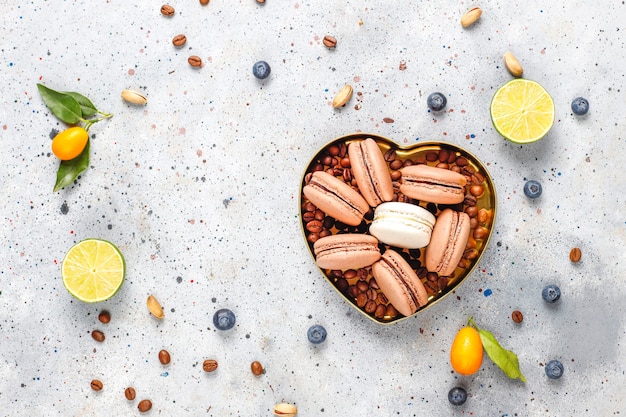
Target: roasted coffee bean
{"x": 472, "y": 211}
{"x": 517, "y": 316}
{"x": 421, "y": 272}
{"x": 373, "y": 284}
{"x": 370, "y": 307}
{"x": 341, "y": 284}
{"x": 396, "y": 175}
{"x": 455, "y": 169}
{"x": 432, "y": 156}
{"x": 313, "y": 237}
{"x": 130, "y": 393}
{"x": 431, "y": 287}
{"x": 432, "y": 276}
{"x": 372, "y": 294}
{"x": 353, "y": 291}
{"x": 469, "y": 200}
{"x": 480, "y": 233}
{"x": 471, "y": 242}
{"x": 209, "y": 365}
{"x": 451, "y": 157}
{"x": 432, "y": 207}
{"x": 362, "y": 286}
{"x": 328, "y": 222}
{"x": 104, "y": 317}
{"x": 575, "y": 254}
{"x": 314, "y": 226}
{"x": 391, "y": 312}
{"x": 333, "y": 150}
{"x": 336, "y": 273}
{"x": 419, "y": 160}
{"x": 347, "y": 175}
{"x": 390, "y": 155}
{"x": 396, "y": 164}
{"x": 350, "y": 274}
{"x": 340, "y": 225}
{"x": 408, "y": 163}
{"x": 144, "y": 406}
{"x": 96, "y": 385}
{"x": 469, "y": 170}
{"x": 473, "y": 222}
{"x": 179, "y": 40}
{"x": 379, "y": 313}
{"x": 307, "y": 178}
{"x": 476, "y": 190}
{"x": 319, "y": 215}
{"x": 343, "y": 149}
{"x": 98, "y": 336}
{"x": 317, "y": 167}
{"x": 257, "y": 368}
{"x": 345, "y": 162}
{"x": 362, "y": 227}
{"x": 415, "y": 263}
{"x": 328, "y": 160}
{"x": 443, "y": 155}
{"x": 484, "y": 215}
{"x": 195, "y": 61}
{"x": 461, "y": 161}
{"x": 324, "y": 233}
{"x": 463, "y": 263}
{"x": 381, "y": 299}
{"x": 361, "y": 300}
{"x": 478, "y": 178}
{"x": 308, "y": 216}
{"x": 164, "y": 357}
{"x": 329, "y": 41}
{"x": 442, "y": 165}
{"x": 167, "y": 10}
{"x": 470, "y": 254}
{"x": 442, "y": 283}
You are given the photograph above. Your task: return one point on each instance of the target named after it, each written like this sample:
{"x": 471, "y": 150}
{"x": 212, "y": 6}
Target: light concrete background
{"x": 199, "y": 189}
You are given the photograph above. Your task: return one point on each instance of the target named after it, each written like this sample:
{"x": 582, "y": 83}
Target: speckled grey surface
{"x": 199, "y": 190}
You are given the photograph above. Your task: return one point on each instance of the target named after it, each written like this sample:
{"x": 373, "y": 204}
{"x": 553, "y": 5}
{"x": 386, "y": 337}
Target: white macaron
{"x": 402, "y": 225}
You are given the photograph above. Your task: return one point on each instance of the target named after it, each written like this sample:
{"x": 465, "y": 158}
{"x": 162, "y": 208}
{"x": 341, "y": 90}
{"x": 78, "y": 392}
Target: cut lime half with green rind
{"x": 93, "y": 270}
{"x": 522, "y": 111}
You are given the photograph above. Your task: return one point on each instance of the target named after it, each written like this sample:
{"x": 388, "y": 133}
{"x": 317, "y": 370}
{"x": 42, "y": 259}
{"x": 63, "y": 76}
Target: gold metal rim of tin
{"x": 488, "y": 201}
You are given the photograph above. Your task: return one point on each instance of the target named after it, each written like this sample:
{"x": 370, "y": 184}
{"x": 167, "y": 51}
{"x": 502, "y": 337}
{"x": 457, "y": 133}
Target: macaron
{"x": 346, "y": 251}
{"x": 403, "y": 225}
{"x": 370, "y": 171}
{"x": 399, "y": 282}
{"x": 336, "y": 198}
{"x": 431, "y": 184}
{"x": 447, "y": 242}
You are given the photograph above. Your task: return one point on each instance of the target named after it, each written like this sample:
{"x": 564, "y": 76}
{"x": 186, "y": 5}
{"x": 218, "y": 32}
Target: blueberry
{"x": 224, "y": 319}
{"x": 436, "y": 101}
{"x": 457, "y": 396}
{"x": 261, "y": 70}
{"x": 554, "y": 369}
{"x": 580, "y": 106}
{"x": 532, "y": 189}
{"x": 551, "y": 293}
{"x": 316, "y": 334}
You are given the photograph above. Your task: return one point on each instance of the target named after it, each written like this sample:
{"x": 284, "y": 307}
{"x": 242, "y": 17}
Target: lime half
{"x": 522, "y": 111}
{"x": 93, "y": 270}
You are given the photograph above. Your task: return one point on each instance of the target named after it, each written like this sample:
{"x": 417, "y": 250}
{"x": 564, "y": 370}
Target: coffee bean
{"x": 329, "y": 41}
{"x": 442, "y": 165}
{"x": 104, "y": 317}
{"x": 390, "y": 155}
{"x": 308, "y": 216}
{"x": 333, "y": 150}
{"x": 144, "y": 405}
{"x": 472, "y": 211}
{"x": 361, "y": 299}
{"x": 257, "y": 368}
{"x": 98, "y": 336}
{"x": 353, "y": 291}
{"x": 456, "y": 169}
{"x": 470, "y": 200}
{"x": 451, "y": 157}
{"x": 164, "y": 357}
{"x": 370, "y": 307}
{"x": 195, "y": 61}
{"x": 373, "y": 284}
{"x": 209, "y": 365}
{"x": 473, "y": 222}
{"x": 345, "y": 162}
{"x": 313, "y": 237}
{"x": 442, "y": 283}
{"x": 443, "y": 155}
{"x": 461, "y": 161}
{"x": 407, "y": 163}
{"x": 517, "y": 316}
{"x": 314, "y": 226}
{"x": 469, "y": 170}
{"x": 483, "y": 215}
{"x": 179, "y": 40}
{"x": 362, "y": 286}
{"x": 129, "y": 393}
{"x": 478, "y": 178}
{"x": 372, "y": 294}
{"x": 96, "y": 385}
{"x": 341, "y": 284}
{"x": 167, "y": 10}
{"x": 575, "y": 254}
{"x": 431, "y": 287}
{"x": 396, "y": 164}
{"x": 470, "y": 254}
{"x": 432, "y": 276}
{"x": 343, "y": 150}
{"x": 380, "y": 311}
{"x": 476, "y": 190}
{"x": 381, "y": 299}
{"x": 350, "y": 274}
{"x": 419, "y": 160}
{"x": 328, "y": 222}
{"x": 319, "y": 215}
{"x": 396, "y": 175}
{"x": 432, "y": 156}
{"x": 347, "y": 175}
{"x": 480, "y": 232}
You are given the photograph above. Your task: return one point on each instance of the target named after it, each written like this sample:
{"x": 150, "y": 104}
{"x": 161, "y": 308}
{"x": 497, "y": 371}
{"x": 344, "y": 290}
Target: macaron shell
{"x": 346, "y": 251}
{"x": 431, "y": 184}
{"x": 447, "y": 242}
{"x": 402, "y": 225}
{"x": 336, "y": 198}
{"x": 370, "y": 171}
{"x": 399, "y": 282}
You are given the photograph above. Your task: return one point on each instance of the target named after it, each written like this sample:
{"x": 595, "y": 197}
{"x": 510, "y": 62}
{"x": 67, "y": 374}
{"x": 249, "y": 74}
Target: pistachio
{"x": 471, "y": 17}
{"x": 155, "y": 307}
{"x": 343, "y": 96}
{"x": 285, "y": 410}
{"x": 134, "y": 97}
{"x": 513, "y": 65}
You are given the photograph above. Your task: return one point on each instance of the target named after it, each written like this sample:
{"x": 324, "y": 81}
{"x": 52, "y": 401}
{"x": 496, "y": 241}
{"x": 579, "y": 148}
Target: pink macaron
{"x": 346, "y": 251}
{"x": 447, "y": 242}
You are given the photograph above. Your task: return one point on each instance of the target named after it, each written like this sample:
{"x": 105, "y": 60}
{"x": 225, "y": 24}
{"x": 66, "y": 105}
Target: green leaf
{"x": 505, "y": 359}
{"x": 70, "y": 170}
{"x": 87, "y": 108}
{"x": 62, "y": 105}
